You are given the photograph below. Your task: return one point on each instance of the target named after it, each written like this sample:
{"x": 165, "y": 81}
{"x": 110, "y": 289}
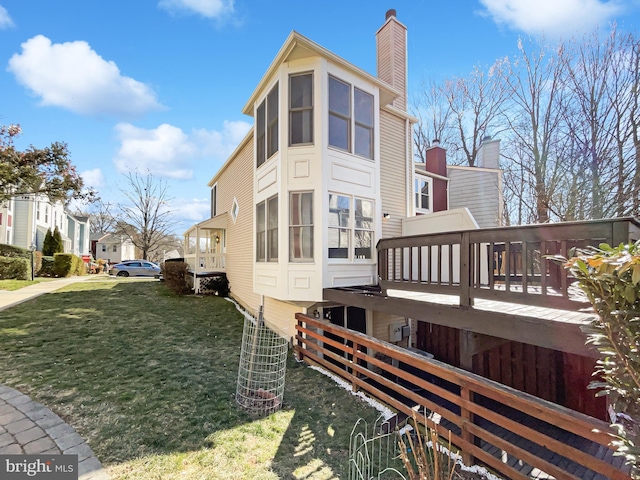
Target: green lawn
{"x": 149, "y": 378}
{"x": 18, "y": 284}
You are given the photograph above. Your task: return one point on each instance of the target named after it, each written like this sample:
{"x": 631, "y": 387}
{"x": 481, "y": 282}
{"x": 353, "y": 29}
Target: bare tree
{"x": 534, "y": 120}
{"x": 460, "y": 112}
{"x": 475, "y": 102}
{"x": 433, "y": 112}
{"x": 146, "y": 213}
{"x": 101, "y": 219}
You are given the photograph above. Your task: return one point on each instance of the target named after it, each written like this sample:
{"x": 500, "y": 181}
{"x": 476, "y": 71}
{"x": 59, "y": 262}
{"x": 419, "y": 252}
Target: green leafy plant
{"x": 48, "y": 247}
{"x": 610, "y": 277}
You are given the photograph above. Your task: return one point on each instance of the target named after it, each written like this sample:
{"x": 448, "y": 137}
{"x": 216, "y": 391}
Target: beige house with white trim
{"x": 327, "y": 170}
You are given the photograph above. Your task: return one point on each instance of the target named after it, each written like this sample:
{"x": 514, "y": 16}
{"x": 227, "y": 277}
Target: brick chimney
{"x": 391, "y": 41}
{"x": 436, "y": 162}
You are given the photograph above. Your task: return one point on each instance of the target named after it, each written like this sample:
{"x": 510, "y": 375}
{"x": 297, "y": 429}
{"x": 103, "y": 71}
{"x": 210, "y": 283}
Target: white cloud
{"x": 193, "y": 210}
{"x": 167, "y": 151}
{"x": 207, "y": 8}
{"x": 93, "y": 178}
{"x": 164, "y": 151}
{"x": 220, "y": 145}
{"x": 5, "y": 19}
{"x": 552, "y": 17}
{"x": 73, "y": 76}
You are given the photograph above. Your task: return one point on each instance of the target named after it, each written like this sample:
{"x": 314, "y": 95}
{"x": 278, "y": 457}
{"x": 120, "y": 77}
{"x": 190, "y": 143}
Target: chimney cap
{"x": 390, "y": 13}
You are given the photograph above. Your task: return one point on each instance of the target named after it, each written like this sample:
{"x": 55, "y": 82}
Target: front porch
{"x": 205, "y": 249}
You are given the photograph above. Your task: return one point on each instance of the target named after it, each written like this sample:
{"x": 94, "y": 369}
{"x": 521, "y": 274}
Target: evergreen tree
{"x": 47, "y": 244}
{"x": 58, "y": 246}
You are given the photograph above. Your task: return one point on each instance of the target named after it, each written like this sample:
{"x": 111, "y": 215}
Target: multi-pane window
{"x": 351, "y": 227}
{"x": 423, "y": 194}
{"x": 115, "y": 248}
{"x": 214, "y": 200}
{"x": 267, "y": 230}
{"x": 339, "y": 114}
{"x": 363, "y": 228}
{"x": 346, "y": 122}
{"x": 363, "y": 109}
{"x": 301, "y": 226}
{"x": 301, "y": 109}
{"x": 267, "y": 127}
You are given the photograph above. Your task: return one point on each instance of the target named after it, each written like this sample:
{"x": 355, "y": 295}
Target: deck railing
{"x": 511, "y": 432}
{"x": 510, "y": 264}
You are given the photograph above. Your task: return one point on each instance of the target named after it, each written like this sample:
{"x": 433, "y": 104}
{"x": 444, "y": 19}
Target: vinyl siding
{"x": 392, "y": 59}
{"x": 381, "y": 324}
{"x": 235, "y": 182}
{"x": 479, "y": 190}
{"x": 280, "y": 316}
{"x": 393, "y": 172}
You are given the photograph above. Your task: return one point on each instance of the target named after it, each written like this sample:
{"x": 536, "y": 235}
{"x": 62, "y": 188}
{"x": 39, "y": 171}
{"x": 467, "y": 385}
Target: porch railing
{"x": 512, "y": 432}
{"x": 206, "y": 262}
{"x": 508, "y": 264}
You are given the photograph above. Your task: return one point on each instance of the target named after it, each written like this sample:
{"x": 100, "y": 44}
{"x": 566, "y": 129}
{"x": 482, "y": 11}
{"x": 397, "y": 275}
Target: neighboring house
{"x": 114, "y": 248}
{"x": 6, "y": 221}
{"x": 327, "y": 170}
{"x": 33, "y": 215}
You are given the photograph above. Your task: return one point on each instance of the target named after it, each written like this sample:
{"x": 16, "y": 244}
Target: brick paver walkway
{"x": 28, "y": 427}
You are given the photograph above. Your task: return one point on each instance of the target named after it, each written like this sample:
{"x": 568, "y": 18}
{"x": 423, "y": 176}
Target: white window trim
{"x": 429, "y": 181}
{"x": 352, "y": 229}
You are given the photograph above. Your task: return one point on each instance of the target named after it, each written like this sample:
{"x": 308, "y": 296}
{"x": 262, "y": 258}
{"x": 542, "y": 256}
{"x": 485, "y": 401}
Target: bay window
{"x": 301, "y": 227}
{"x": 301, "y": 109}
{"x": 346, "y": 122}
{"x": 267, "y": 230}
{"x": 351, "y": 228}
{"x": 267, "y": 127}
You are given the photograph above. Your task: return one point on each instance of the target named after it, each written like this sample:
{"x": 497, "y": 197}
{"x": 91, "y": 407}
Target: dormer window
{"x": 267, "y": 127}
{"x": 346, "y": 122}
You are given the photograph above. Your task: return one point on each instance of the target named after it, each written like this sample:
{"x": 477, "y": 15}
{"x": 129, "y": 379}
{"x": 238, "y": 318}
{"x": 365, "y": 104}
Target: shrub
{"x": 15, "y": 268}
{"x": 13, "y": 251}
{"x": 67, "y": 264}
{"x": 175, "y": 276}
{"x": 46, "y": 268}
{"x": 37, "y": 262}
{"x": 610, "y": 277}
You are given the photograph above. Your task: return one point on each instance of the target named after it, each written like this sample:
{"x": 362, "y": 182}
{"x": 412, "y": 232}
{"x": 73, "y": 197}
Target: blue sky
{"x": 159, "y": 84}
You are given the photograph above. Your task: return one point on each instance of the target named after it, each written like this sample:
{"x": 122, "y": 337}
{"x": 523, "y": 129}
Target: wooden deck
{"x": 513, "y": 433}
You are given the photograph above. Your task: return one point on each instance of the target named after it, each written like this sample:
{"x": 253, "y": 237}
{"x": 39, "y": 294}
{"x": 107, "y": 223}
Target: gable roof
{"x": 298, "y": 46}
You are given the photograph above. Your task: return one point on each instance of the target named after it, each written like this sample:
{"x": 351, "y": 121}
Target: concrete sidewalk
{"x": 14, "y": 297}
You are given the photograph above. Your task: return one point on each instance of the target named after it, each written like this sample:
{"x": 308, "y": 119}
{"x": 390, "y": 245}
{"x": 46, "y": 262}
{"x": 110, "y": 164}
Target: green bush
{"x": 175, "y": 276}
{"x": 15, "y": 268}
{"x": 12, "y": 251}
{"x": 610, "y": 277}
{"x": 67, "y": 264}
{"x": 46, "y": 267}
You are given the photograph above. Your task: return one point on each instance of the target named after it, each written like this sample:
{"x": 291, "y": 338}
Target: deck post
{"x": 465, "y": 274}
{"x": 299, "y": 354}
{"x": 467, "y": 418}
{"x": 354, "y": 372}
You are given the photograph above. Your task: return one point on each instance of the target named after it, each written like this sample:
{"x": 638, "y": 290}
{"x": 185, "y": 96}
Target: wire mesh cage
{"x": 263, "y": 362}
